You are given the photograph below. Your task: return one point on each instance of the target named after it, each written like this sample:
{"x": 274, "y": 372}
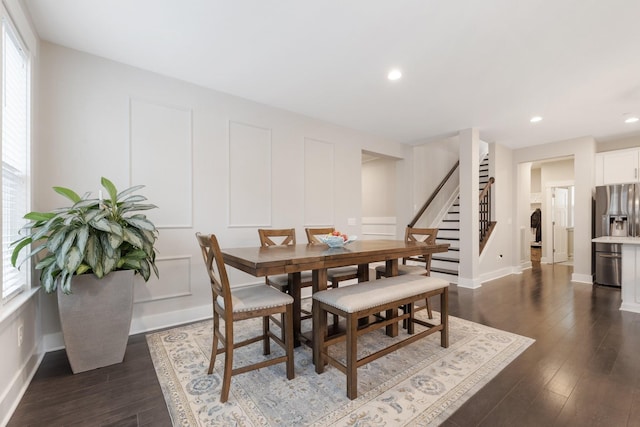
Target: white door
{"x": 560, "y": 215}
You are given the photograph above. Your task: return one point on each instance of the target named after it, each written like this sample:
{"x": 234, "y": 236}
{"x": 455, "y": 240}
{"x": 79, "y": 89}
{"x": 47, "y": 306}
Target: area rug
{"x": 420, "y": 384}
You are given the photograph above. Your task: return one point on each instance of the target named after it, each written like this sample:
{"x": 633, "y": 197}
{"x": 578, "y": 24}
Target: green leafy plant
{"x": 92, "y": 236}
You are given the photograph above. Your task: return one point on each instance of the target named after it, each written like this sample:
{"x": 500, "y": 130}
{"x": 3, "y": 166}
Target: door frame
{"x": 547, "y": 224}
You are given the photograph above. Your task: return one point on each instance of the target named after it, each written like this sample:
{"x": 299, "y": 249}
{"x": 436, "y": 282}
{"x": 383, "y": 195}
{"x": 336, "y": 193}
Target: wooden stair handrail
{"x": 486, "y": 187}
{"x": 486, "y": 224}
{"x": 433, "y": 195}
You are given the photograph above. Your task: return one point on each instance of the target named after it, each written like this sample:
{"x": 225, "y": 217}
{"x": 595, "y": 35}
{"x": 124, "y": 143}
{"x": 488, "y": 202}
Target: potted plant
{"x": 97, "y": 245}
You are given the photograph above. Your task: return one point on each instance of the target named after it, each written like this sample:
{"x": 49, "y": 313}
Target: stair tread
{"x": 444, "y": 271}
{"x": 454, "y": 260}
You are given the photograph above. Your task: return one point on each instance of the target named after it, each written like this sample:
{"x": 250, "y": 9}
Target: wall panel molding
{"x": 174, "y": 280}
{"x": 249, "y": 175}
{"x": 161, "y": 146}
{"x": 319, "y": 186}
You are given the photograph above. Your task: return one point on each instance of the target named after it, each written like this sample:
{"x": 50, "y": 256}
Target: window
{"x": 15, "y": 153}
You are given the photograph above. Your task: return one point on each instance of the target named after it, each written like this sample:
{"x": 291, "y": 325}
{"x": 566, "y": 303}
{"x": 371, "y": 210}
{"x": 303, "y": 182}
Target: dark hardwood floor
{"x": 583, "y": 369}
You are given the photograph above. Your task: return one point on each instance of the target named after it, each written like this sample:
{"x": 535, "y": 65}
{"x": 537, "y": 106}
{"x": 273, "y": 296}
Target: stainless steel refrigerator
{"x": 617, "y": 213}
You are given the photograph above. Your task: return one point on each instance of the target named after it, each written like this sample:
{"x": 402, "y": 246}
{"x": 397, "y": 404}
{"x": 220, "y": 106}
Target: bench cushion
{"x": 371, "y": 294}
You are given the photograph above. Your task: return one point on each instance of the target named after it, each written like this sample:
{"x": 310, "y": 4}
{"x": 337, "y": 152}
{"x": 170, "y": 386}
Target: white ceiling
{"x": 490, "y": 64}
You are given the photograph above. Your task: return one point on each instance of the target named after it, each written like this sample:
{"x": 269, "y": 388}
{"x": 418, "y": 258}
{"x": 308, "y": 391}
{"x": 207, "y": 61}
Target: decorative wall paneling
{"x": 319, "y": 194}
{"x": 161, "y": 159}
{"x": 249, "y": 157}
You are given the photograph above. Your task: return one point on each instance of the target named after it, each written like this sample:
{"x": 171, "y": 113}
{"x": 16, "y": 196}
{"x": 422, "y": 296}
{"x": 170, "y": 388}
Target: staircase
{"x": 446, "y": 265}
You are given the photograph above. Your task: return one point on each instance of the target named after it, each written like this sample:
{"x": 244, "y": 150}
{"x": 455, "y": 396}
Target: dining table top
{"x": 263, "y": 261}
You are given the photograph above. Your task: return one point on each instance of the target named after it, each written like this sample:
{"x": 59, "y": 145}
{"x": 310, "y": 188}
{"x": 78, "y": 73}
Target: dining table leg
{"x": 295, "y": 285}
{"x": 391, "y": 269}
{"x": 363, "y": 273}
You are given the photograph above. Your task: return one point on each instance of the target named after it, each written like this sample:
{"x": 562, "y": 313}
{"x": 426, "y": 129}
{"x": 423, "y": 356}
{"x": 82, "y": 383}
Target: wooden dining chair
{"x": 426, "y": 235}
{"x": 233, "y": 305}
{"x": 334, "y": 275}
{"x": 275, "y": 237}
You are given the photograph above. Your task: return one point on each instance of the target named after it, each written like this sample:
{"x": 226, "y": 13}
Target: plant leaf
{"x": 39, "y": 216}
{"x": 69, "y": 194}
{"x": 32, "y": 253}
{"x": 73, "y": 260}
{"x": 55, "y": 240}
{"x": 101, "y": 224}
{"x": 83, "y": 236}
{"x": 61, "y": 255}
{"x": 46, "y": 278}
{"x": 46, "y": 262}
{"x": 93, "y": 252}
{"x": 16, "y": 251}
{"x": 145, "y": 271}
{"x": 131, "y": 235}
{"x": 129, "y": 191}
{"x": 111, "y": 189}
{"x": 137, "y": 207}
{"x": 140, "y": 221}
{"x": 83, "y": 268}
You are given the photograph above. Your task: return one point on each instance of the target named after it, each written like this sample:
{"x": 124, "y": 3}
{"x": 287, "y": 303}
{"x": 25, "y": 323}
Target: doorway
{"x": 561, "y": 201}
{"x": 552, "y": 198}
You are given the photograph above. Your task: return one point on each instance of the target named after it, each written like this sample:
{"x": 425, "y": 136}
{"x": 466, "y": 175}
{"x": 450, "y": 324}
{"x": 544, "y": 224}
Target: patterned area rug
{"x": 420, "y": 384}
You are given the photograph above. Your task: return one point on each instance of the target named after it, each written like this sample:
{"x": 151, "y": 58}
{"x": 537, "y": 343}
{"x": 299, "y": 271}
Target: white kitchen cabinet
{"x": 618, "y": 167}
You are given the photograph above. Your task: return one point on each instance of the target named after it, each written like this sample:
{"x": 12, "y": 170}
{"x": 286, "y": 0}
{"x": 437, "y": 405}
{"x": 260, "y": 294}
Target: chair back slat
{"x": 216, "y": 269}
{"x": 275, "y": 237}
{"x": 425, "y": 235}
{"x": 313, "y": 233}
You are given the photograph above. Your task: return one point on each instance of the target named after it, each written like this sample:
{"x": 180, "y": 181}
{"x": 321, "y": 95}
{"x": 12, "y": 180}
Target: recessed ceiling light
{"x": 394, "y": 75}
{"x": 631, "y": 119}
{"x": 535, "y": 119}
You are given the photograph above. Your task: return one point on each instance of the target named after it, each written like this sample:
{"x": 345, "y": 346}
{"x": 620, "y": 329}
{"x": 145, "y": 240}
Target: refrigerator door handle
{"x": 610, "y": 256}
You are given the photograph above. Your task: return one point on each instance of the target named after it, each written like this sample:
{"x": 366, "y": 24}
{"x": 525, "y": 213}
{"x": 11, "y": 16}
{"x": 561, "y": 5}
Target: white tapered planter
{"x": 96, "y": 319}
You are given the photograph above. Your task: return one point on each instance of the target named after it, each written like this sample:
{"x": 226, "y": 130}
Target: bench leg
{"x": 392, "y": 329}
{"x": 444, "y": 318}
{"x": 410, "y": 308}
{"x": 319, "y": 335}
{"x": 352, "y": 357}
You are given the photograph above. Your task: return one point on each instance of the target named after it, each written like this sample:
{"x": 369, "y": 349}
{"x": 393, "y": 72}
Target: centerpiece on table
{"x": 96, "y": 245}
{"x": 336, "y": 239}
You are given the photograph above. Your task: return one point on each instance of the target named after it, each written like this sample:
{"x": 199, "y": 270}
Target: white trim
{"x": 14, "y": 305}
{"x": 463, "y": 282}
{"x": 12, "y": 397}
{"x": 582, "y": 278}
{"x": 496, "y": 274}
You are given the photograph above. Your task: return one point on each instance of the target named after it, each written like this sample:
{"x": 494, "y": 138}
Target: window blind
{"x": 15, "y": 136}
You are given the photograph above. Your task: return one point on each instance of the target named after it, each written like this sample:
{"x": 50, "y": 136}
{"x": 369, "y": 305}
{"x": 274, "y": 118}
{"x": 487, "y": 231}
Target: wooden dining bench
{"x": 369, "y": 299}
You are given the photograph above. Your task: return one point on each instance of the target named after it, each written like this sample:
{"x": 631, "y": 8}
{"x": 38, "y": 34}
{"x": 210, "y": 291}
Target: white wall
{"x": 431, "y": 163}
{"x": 630, "y": 141}
{"x": 378, "y": 188}
{"x": 497, "y": 258}
{"x": 583, "y": 152}
{"x": 19, "y": 362}
{"x": 554, "y": 173}
{"x": 87, "y": 120}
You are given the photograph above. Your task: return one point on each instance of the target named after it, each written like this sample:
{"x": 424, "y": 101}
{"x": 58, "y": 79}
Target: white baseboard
{"x": 582, "y": 278}
{"x": 173, "y": 318}
{"x": 464, "y": 282}
{"x": 15, "y": 390}
{"x": 496, "y": 274}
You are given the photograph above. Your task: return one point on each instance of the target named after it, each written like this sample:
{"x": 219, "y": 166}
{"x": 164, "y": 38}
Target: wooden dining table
{"x": 317, "y": 258}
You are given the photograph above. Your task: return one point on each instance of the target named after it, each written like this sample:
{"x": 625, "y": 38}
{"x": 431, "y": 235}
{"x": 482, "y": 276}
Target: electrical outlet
{"x": 20, "y": 335}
